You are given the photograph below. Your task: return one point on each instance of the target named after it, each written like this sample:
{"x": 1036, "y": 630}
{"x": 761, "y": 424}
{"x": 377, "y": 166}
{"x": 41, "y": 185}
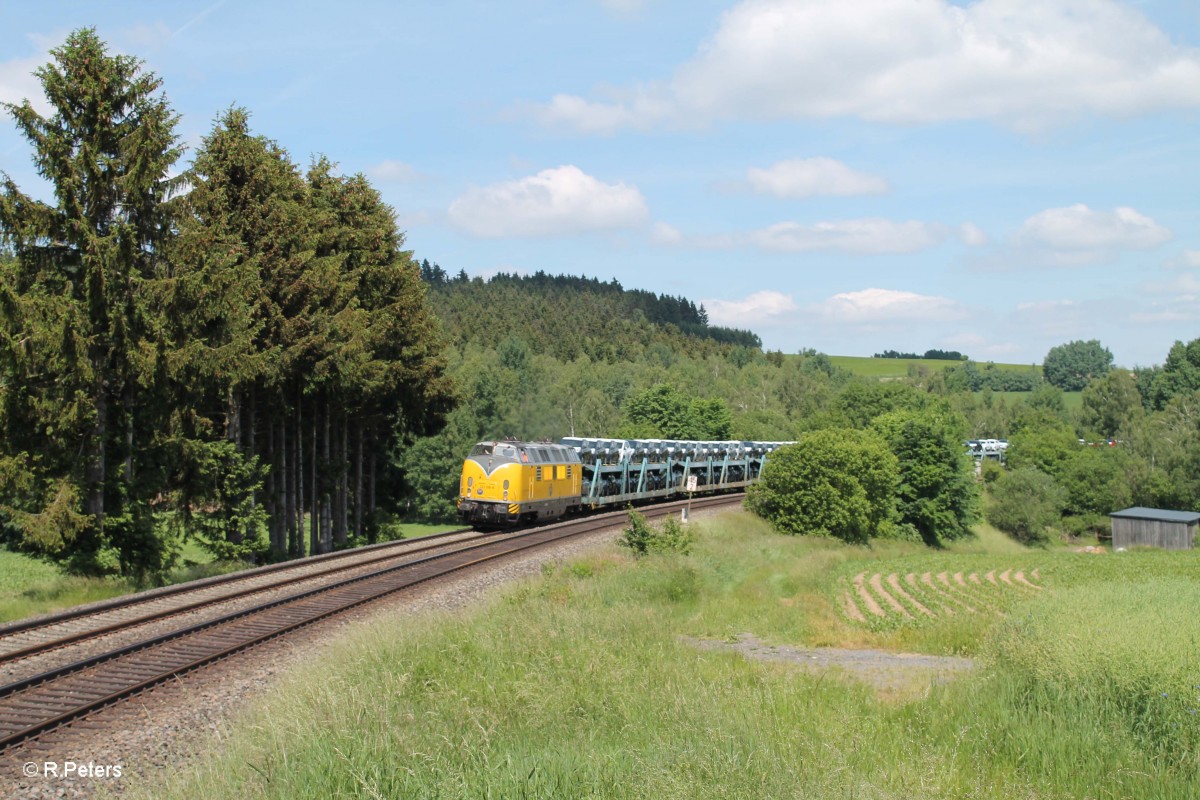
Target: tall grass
{"x": 583, "y": 683}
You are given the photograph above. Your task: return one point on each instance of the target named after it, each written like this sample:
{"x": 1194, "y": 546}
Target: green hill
{"x": 890, "y": 368}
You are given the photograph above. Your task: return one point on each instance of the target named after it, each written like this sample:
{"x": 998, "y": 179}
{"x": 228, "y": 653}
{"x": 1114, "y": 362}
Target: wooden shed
{"x": 1154, "y": 527}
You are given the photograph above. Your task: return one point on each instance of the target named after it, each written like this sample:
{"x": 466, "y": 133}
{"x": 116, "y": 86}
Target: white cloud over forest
{"x": 754, "y": 309}
{"x": 888, "y": 305}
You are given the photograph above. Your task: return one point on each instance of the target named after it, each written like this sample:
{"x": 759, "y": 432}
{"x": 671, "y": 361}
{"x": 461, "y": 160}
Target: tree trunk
{"x": 296, "y": 544}
{"x": 285, "y": 525}
{"x": 371, "y": 485}
{"x": 343, "y": 488}
{"x": 94, "y": 472}
{"x": 358, "y": 483}
{"x": 326, "y": 511}
{"x": 314, "y": 517}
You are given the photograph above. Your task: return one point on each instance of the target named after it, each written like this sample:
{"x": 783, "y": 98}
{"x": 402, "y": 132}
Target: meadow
{"x": 591, "y": 681}
{"x": 894, "y": 368}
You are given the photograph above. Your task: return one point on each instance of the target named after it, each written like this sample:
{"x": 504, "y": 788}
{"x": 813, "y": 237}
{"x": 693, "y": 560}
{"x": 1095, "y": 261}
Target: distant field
{"x": 883, "y": 368}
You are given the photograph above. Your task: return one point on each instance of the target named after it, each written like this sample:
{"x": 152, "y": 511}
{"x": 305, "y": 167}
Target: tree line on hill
{"x": 934, "y": 355}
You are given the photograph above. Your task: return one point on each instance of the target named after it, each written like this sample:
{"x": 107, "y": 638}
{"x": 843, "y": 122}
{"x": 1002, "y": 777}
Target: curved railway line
{"x": 71, "y": 689}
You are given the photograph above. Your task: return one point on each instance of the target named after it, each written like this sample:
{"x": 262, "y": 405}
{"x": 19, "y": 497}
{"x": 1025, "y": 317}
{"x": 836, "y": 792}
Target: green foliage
{"x": 1110, "y": 404}
{"x": 642, "y": 538}
{"x": 1180, "y": 375}
{"x": 936, "y": 495}
{"x": 167, "y": 362}
{"x": 1073, "y": 365}
{"x": 664, "y": 412}
{"x": 78, "y": 332}
{"x": 990, "y": 470}
{"x": 1025, "y": 503}
{"x": 835, "y": 482}
{"x": 862, "y": 401}
{"x": 969, "y": 376}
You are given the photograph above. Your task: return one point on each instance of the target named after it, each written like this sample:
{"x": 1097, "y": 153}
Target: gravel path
{"x": 892, "y": 675}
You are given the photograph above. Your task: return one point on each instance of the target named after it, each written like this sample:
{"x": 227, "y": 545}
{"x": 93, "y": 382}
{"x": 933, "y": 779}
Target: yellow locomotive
{"x": 504, "y": 483}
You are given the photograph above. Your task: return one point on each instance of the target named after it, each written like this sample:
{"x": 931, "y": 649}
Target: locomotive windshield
{"x": 482, "y": 449}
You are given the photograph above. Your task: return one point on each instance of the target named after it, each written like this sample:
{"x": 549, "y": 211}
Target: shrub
{"x": 990, "y": 470}
{"x": 1027, "y": 502}
{"x": 643, "y": 538}
{"x": 835, "y": 482}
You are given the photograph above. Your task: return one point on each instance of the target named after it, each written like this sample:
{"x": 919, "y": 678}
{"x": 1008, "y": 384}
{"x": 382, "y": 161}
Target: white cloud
{"x": 17, "y": 82}
{"x": 867, "y": 236}
{"x": 980, "y": 348}
{"x": 1024, "y": 64}
{"x": 754, "y": 309}
{"x": 972, "y": 234}
{"x": 665, "y": 234}
{"x": 1188, "y": 259}
{"x": 560, "y": 201}
{"x": 1182, "y": 287}
{"x": 888, "y": 305}
{"x": 870, "y": 236}
{"x": 1078, "y": 227}
{"x": 808, "y": 177}
{"x": 389, "y": 171}
{"x": 1074, "y": 236}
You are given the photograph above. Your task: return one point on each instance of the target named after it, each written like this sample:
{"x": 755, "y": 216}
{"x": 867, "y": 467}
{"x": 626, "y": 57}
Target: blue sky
{"x": 995, "y": 177}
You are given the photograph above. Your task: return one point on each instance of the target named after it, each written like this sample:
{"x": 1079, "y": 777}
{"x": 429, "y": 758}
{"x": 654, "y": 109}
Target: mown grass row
{"x": 583, "y": 683}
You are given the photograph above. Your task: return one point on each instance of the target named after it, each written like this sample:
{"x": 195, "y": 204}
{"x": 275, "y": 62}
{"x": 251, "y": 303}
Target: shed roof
{"x": 1159, "y": 514}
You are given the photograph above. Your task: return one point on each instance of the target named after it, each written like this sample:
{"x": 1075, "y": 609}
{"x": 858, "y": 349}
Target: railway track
{"x": 23, "y": 639}
{"x": 54, "y": 697}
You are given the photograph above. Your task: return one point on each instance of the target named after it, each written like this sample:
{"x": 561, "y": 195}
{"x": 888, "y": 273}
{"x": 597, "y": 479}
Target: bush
{"x": 835, "y": 482}
{"x": 1026, "y": 502}
{"x": 990, "y": 470}
{"x": 643, "y": 538}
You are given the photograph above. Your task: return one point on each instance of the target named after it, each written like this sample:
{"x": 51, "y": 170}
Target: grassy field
{"x": 588, "y": 682}
{"x": 30, "y": 586}
{"x": 885, "y": 368}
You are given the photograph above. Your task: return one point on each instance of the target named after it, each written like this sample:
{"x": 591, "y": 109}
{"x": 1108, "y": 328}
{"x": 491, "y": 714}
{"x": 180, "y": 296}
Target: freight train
{"x": 507, "y": 483}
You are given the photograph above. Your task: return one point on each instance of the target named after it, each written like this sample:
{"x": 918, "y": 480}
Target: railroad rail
{"x": 39, "y": 703}
{"x": 25, "y": 638}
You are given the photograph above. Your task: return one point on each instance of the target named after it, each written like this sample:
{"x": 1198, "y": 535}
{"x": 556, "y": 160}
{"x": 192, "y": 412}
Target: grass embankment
{"x": 587, "y": 683}
{"x": 30, "y": 586}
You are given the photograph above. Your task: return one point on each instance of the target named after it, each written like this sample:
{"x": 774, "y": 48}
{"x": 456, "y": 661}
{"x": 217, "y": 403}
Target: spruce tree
{"x": 78, "y": 328}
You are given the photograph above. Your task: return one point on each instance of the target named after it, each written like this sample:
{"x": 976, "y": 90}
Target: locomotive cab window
{"x": 481, "y": 449}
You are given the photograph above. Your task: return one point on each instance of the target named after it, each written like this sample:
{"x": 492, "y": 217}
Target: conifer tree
{"x": 78, "y": 329}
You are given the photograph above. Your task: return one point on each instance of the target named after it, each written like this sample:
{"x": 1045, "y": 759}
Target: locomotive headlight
{"x": 506, "y": 495}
